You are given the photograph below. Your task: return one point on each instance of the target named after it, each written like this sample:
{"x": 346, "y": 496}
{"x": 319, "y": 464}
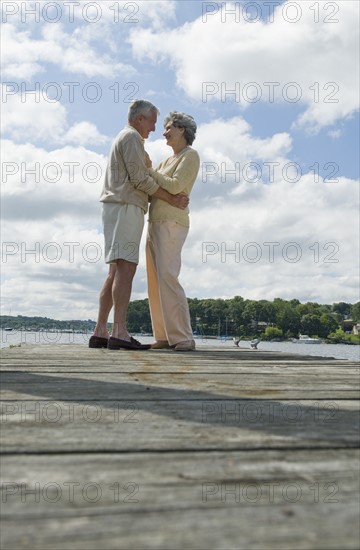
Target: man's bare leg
{"x": 121, "y": 292}
{"x": 105, "y": 304}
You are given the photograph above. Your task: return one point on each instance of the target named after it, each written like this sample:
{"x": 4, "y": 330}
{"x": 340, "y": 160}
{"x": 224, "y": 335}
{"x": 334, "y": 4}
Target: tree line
{"x": 236, "y": 317}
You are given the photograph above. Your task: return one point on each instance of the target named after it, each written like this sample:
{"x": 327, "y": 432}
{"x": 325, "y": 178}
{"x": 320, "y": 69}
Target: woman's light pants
{"x": 169, "y": 308}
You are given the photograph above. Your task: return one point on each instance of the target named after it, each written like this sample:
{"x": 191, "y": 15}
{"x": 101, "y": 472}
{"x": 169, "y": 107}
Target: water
{"x": 15, "y": 337}
{"x": 338, "y": 351}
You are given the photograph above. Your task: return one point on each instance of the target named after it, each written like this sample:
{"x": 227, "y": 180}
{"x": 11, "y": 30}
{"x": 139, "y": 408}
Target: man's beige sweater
{"x": 127, "y": 178}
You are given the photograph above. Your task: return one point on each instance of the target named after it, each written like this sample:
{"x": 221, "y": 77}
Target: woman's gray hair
{"x": 182, "y": 120}
{"x": 141, "y": 107}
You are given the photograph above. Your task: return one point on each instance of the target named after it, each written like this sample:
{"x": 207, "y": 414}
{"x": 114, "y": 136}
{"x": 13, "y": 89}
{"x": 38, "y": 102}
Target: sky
{"x": 274, "y": 89}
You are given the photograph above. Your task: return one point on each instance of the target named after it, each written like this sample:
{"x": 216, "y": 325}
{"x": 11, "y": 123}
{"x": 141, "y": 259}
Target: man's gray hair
{"x": 182, "y": 120}
{"x": 141, "y": 107}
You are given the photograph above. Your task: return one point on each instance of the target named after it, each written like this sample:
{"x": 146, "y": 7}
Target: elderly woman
{"x": 168, "y": 229}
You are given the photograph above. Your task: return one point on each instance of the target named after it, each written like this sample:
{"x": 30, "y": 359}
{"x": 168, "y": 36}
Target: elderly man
{"x": 125, "y": 193}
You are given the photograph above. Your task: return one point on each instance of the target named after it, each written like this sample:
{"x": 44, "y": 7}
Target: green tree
{"x": 273, "y": 333}
{"x": 235, "y": 311}
{"x": 355, "y": 312}
{"x": 310, "y": 324}
{"x": 197, "y": 316}
{"x": 327, "y": 324}
{"x": 251, "y": 315}
{"x": 337, "y": 336}
{"x": 342, "y": 307}
{"x": 267, "y": 312}
{"x": 309, "y": 308}
{"x": 287, "y": 319}
{"x": 138, "y": 316}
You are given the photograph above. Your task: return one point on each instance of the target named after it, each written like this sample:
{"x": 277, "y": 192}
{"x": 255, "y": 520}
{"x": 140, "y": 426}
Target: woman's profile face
{"x": 173, "y": 134}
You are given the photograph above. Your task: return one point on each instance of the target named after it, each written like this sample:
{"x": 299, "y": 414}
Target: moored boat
{"x": 305, "y": 339}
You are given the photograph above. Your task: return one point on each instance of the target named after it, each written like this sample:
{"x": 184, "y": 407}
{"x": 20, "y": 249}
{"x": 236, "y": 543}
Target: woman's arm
{"x": 184, "y": 175}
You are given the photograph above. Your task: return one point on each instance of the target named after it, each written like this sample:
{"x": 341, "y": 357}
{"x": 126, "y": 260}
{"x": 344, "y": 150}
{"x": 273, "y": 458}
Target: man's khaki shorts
{"x": 123, "y": 226}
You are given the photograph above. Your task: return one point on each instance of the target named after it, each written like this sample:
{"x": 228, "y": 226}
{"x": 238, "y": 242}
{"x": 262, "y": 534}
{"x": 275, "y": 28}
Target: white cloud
{"x": 234, "y": 136}
{"x": 75, "y": 38}
{"x": 40, "y": 184}
{"x": 336, "y": 134}
{"x": 24, "y": 56}
{"x": 59, "y": 264}
{"x": 155, "y": 13}
{"x": 84, "y": 133}
{"x": 312, "y": 61}
{"x": 34, "y": 117}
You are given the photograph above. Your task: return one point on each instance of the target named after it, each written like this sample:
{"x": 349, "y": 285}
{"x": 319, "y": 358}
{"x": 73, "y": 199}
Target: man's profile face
{"x": 147, "y": 124}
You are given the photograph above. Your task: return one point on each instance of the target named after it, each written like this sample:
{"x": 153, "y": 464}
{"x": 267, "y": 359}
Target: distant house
{"x": 350, "y": 326}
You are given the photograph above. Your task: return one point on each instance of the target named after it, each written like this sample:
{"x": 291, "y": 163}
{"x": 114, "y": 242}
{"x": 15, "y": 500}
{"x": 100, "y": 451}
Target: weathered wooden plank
{"x": 42, "y": 486}
{"x": 176, "y": 386}
{"x": 252, "y": 370}
{"x": 197, "y": 500}
{"x": 171, "y": 359}
{"x": 57, "y": 426}
{"x": 129, "y": 366}
{"x": 286, "y": 527}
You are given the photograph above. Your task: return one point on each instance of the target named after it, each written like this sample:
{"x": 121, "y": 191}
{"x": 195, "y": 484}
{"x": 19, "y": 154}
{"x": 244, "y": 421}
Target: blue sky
{"x": 274, "y": 88}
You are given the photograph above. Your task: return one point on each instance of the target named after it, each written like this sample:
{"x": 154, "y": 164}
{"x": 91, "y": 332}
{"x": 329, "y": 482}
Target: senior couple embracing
{"x": 130, "y": 184}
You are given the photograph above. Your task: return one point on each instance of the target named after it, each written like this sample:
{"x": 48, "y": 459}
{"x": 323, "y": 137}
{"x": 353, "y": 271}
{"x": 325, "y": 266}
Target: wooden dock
{"x": 222, "y": 448}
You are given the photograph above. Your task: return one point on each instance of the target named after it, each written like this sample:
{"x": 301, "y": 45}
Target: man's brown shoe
{"x": 117, "y": 343}
{"x": 97, "y": 342}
